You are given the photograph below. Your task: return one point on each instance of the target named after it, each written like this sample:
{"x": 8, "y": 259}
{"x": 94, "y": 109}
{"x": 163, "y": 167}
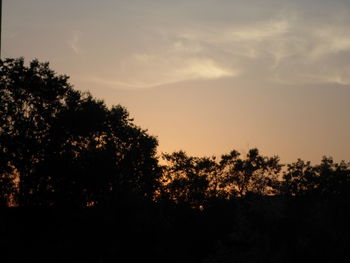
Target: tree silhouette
{"x": 326, "y": 179}
{"x": 333, "y": 178}
{"x": 60, "y": 146}
{"x": 195, "y": 180}
{"x": 300, "y": 178}
{"x": 186, "y": 178}
{"x": 256, "y": 173}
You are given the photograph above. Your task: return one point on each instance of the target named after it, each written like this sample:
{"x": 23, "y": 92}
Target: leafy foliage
{"x": 66, "y": 147}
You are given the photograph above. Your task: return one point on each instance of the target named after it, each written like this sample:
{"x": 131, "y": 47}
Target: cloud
{"x": 297, "y": 43}
{"x": 118, "y": 84}
{"x": 330, "y": 42}
{"x": 257, "y": 32}
{"x": 204, "y": 69}
{"x": 173, "y": 71}
{"x": 74, "y": 43}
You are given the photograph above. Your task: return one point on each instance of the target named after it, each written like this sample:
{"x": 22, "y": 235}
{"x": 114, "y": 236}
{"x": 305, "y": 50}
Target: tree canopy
{"x": 60, "y": 146}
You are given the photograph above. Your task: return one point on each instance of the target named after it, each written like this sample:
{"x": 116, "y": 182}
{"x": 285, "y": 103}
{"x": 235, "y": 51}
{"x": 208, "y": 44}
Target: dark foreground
{"x": 254, "y": 229}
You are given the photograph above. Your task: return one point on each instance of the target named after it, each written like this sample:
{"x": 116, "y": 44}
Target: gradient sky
{"x": 205, "y": 76}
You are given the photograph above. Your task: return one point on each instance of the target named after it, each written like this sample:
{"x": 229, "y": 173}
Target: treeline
{"x": 61, "y": 148}
{"x": 194, "y": 180}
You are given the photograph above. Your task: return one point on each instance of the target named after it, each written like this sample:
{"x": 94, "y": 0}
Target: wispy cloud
{"x": 330, "y": 42}
{"x": 74, "y": 42}
{"x": 258, "y": 32}
{"x": 289, "y": 44}
{"x": 179, "y": 71}
{"x": 204, "y": 68}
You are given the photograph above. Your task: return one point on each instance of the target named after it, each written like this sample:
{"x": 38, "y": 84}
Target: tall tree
{"x": 63, "y": 146}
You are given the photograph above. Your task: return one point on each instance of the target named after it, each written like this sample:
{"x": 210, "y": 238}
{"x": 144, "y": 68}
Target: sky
{"x": 204, "y": 76}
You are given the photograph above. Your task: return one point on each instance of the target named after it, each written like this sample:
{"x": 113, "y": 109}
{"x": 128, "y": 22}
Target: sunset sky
{"x": 205, "y": 76}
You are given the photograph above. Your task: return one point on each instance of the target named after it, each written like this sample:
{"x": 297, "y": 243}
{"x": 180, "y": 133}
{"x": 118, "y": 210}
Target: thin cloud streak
{"x": 74, "y": 43}
{"x": 187, "y": 70}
